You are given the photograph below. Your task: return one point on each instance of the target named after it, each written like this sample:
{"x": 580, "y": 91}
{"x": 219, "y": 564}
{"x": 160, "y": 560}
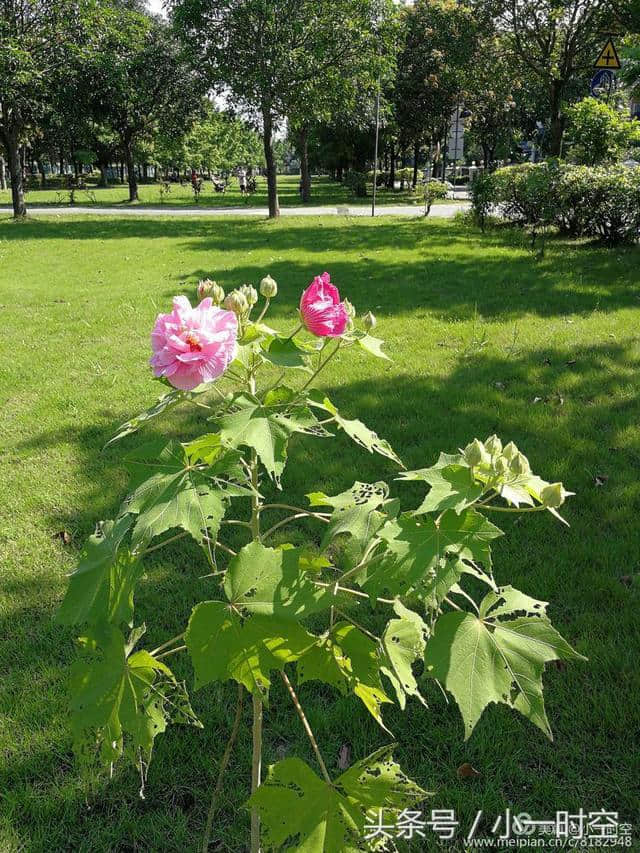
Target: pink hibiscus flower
{"x": 193, "y": 345}
{"x": 321, "y": 310}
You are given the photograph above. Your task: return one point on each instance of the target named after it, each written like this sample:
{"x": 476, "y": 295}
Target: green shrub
{"x": 357, "y": 183}
{"x": 581, "y": 201}
{"x": 483, "y": 195}
{"x": 615, "y": 205}
{"x": 433, "y": 190}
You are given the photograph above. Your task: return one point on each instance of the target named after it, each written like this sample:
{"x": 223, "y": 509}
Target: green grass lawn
{"x": 324, "y": 192}
{"x": 484, "y": 338}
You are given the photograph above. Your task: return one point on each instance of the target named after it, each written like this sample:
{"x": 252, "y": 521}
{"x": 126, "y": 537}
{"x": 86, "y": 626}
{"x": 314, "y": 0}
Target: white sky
{"x": 155, "y": 6}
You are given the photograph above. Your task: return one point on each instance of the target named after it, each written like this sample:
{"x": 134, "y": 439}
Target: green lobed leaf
{"x": 120, "y": 701}
{"x": 355, "y": 513}
{"x": 355, "y": 429}
{"x": 169, "y": 492}
{"x": 428, "y": 557}
{"x": 372, "y": 345}
{"x": 295, "y": 804}
{"x": 289, "y": 353}
{"x": 452, "y": 483}
{"x": 266, "y": 431}
{"x": 101, "y": 588}
{"x": 347, "y": 659}
{"x": 496, "y": 659}
{"x": 163, "y": 404}
{"x": 272, "y": 581}
{"x": 222, "y": 645}
{"x": 404, "y": 641}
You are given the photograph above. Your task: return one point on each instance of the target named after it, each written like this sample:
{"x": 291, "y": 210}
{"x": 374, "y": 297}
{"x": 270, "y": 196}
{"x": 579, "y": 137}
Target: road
{"x": 438, "y": 210}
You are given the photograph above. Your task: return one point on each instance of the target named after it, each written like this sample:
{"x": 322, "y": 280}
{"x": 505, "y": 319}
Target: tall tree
{"x": 37, "y": 38}
{"x": 557, "y": 41}
{"x": 142, "y": 82}
{"x": 275, "y": 55}
{"x": 439, "y": 43}
{"x": 493, "y": 98}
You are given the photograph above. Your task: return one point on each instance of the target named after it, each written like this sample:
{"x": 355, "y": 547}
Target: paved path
{"x": 438, "y": 210}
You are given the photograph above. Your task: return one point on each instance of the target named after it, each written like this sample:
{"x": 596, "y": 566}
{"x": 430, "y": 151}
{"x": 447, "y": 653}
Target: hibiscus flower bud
{"x": 250, "y": 294}
{"x": 552, "y": 496}
{"x": 268, "y": 287}
{"x": 369, "y": 321}
{"x": 520, "y": 464}
{"x": 205, "y": 285}
{"x": 217, "y": 294}
{"x": 475, "y": 453}
{"x": 510, "y": 451}
{"x": 501, "y": 465}
{"x": 493, "y": 445}
{"x": 321, "y": 311}
{"x": 236, "y": 301}
{"x": 349, "y": 308}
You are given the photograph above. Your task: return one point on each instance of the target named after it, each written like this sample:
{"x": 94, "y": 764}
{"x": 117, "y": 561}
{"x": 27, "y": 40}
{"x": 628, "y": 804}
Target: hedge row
{"x": 581, "y": 201}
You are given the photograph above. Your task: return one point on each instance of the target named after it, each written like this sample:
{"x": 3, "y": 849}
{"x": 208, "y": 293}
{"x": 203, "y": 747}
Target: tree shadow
{"x": 393, "y": 266}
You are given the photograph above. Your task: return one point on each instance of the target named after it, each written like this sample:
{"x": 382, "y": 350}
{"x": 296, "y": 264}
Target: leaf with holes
{"x": 174, "y": 493}
{"x": 272, "y": 581}
{"x": 355, "y": 429}
{"x": 223, "y": 646}
{"x": 101, "y": 588}
{"x": 121, "y": 700}
{"x": 452, "y": 483}
{"x": 404, "y": 641}
{"x": 428, "y": 557}
{"x": 347, "y": 659}
{"x": 294, "y": 803}
{"x": 497, "y": 657}
{"x": 266, "y": 431}
{"x": 356, "y": 513}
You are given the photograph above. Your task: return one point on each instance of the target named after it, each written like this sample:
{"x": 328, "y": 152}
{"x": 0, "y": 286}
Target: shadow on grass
{"x": 439, "y": 273}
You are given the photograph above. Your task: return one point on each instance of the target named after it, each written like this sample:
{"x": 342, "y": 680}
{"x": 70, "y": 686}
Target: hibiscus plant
{"x": 428, "y": 568}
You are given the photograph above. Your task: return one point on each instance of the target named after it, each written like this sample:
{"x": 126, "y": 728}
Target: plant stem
{"x": 514, "y": 508}
{"x": 256, "y": 766}
{"x": 292, "y": 508}
{"x": 221, "y": 770}
{"x": 307, "y": 727}
{"x": 170, "y": 652}
{"x": 167, "y": 644}
{"x": 355, "y": 592}
{"x": 292, "y": 518}
{"x": 264, "y": 310}
{"x": 320, "y": 367}
{"x": 162, "y": 544}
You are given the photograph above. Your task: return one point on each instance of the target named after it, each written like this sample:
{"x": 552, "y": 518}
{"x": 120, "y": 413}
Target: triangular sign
{"x": 608, "y": 57}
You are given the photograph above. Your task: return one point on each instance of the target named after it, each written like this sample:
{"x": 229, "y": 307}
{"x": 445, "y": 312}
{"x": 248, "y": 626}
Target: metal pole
{"x": 375, "y": 159}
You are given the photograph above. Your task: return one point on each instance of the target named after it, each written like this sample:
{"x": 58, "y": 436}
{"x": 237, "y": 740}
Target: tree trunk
{"x": 305, "y": 174}
{"x": 339, "y": 174}
{"x": 272, "y": 178}
{"x": 104, "y": 175}
{"x": 43, "y": 174}
{"x": 15, "y": 171}
{"x": 392, "y": 168}
{"x": 131, "y": 173}
{"x": 121, "y": 172}
{"x": 3, "y": 178}
{"x": 416, "y": 154}
{"x": 557, "y": 119}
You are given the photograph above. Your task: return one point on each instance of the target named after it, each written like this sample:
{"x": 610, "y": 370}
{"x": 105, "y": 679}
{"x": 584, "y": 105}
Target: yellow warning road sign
{"x": 608, "y": 57}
